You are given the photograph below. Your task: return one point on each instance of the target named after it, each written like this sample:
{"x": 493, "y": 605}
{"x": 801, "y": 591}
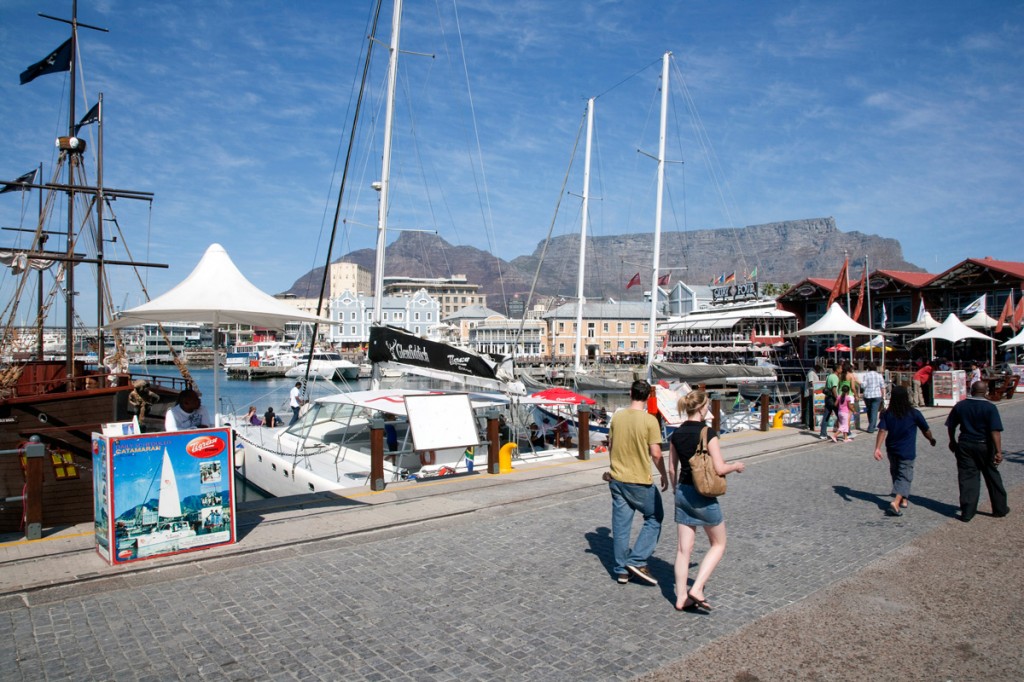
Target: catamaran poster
{"x": 163, "y": 493}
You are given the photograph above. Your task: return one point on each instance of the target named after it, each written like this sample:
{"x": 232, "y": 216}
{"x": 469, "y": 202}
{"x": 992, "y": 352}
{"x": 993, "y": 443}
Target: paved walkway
{"x": 497, "y": 577}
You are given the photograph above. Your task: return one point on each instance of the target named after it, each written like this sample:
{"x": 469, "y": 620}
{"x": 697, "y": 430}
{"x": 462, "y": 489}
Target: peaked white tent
{"x": 926, "y": 323}
{"x": 1017, "y": 340}
{"x": 981, "y": 320}
{"x": 836, "y": 321}
{"x": 953, "y": 330}
{"x": 216, "y": 293}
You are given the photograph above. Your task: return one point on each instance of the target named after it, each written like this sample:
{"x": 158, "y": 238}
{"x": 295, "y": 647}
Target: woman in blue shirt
{"x": 898, "y": 428}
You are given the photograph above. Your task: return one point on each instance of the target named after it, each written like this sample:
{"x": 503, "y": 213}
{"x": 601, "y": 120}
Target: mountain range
{"x": 782, "y": 253}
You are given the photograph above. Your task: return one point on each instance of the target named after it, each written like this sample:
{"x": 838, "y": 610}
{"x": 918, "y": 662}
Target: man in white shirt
{"x": 295, "y": 401}
{"x": 873, "y": 386}
{"x": 188, "y": 413}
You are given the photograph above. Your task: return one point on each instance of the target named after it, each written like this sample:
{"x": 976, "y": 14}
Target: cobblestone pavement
{"x": 516, "y": 592}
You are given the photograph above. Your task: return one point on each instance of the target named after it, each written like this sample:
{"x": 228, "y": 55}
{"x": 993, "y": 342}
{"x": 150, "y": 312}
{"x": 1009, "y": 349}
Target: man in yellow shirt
{"x": 634, "y": 440}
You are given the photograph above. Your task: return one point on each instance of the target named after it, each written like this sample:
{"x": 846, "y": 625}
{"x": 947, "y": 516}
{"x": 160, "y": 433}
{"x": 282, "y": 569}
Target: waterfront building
{"x": 682, "y": 298}
{"x": 349, "y": 277}
{"x": 612, "y": 331}
{"x": 183, "y": 336}
{"x": 452, "y": 293}
{"x": 487, "y": 331}
{"x": 418, "y": 314}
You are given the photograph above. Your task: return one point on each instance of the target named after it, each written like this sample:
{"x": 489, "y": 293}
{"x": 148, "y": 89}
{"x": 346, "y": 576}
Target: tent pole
{"x": 216, "y": 371}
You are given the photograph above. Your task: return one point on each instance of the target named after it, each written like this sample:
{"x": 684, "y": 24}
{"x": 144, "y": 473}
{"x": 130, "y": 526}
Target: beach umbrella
{"x": 874, "y": 344}
{"x": 838, "y": 348}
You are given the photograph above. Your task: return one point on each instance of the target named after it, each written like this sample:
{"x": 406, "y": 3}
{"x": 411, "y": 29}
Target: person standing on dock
{"x": 295, "y": 401}
{"x": 831, "y": 400}
{"x": 634, "y": 441}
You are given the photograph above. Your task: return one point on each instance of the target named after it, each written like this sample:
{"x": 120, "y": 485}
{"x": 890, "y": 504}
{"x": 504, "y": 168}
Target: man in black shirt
{"x": 979, "y": 449}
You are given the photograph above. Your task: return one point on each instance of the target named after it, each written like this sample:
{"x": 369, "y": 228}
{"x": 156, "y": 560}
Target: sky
{"x": 902, "y": 120}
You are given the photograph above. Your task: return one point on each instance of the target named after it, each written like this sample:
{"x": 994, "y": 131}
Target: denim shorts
{"x": 694, "y": 509}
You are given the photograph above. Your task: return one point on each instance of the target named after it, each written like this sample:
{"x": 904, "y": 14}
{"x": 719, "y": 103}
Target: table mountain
{"x": 782, "y": 252}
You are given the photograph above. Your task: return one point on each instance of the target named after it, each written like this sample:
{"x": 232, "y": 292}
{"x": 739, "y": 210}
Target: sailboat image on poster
{"x": 172, "y": 531}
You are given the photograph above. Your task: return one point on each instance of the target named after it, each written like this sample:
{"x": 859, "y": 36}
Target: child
{"x": 843, "y": 408}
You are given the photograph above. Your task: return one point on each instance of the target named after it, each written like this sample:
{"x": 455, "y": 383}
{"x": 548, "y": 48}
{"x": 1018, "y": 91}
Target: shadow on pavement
{"x": 882, "y": 501}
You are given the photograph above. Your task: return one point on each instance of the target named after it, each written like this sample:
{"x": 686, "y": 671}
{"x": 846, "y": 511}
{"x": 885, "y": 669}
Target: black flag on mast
{"x": 55, "y": 62}
{"x": 91, "y": 117}
{"x": 16, "y": 185}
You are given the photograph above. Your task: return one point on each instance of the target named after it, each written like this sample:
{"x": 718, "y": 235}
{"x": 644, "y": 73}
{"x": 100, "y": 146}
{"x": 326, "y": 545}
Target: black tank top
{"x": 685, "y": 439}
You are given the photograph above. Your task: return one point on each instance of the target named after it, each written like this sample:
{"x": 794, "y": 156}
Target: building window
{"x": 416, "y": 317}
{"x": 605, "y": 327}
{"x": 632, "y": 327}
{"x": 618, "y": 327}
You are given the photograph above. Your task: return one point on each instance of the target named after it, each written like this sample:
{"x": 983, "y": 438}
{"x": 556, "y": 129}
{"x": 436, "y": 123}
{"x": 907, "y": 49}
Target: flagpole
{"x": 846, "y": 258}
{"x": 867, "y": 293}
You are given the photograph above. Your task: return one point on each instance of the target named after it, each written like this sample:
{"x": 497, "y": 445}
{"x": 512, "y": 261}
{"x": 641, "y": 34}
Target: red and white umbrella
{"x": 561, "y": 396}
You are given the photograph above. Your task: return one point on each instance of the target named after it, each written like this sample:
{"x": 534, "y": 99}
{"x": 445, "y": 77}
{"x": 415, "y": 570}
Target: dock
{"x": 484, "y": 577}
{"x": 262, "y": 372}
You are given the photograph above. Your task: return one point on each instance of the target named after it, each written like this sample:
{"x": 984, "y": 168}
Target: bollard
{"x": 764, "y": 410}
{"x": 777, "y": 420}
{"x": 493, "y": 442}
{"x": 377, "y": 454}
{"x": 583, "y": 432}
{"x": 808, "y": 407}
{"x": 716, "y": 411}
{"x": 505, "y": 458}
{"x": 34, "y": 453}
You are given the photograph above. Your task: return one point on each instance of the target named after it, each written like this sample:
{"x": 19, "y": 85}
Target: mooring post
{"x": 716, "y": 411}
{"x": 493, "y": 442}
{"x": 377, "y": 454}
{"x": 34, "y": 454}
{"x": 764, "y": 410}
{"x": 583, "y": 432}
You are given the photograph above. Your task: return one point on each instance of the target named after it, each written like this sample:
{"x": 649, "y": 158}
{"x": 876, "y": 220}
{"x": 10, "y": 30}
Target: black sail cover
{"x": 388, "y": 344}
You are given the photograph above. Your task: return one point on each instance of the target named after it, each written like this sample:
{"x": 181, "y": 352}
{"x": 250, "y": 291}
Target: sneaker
{"x": 642, "y": 573}
{"x": 852, "y": 435}
{"x": 822, "y": 437}
{"x": 622, "y": 578}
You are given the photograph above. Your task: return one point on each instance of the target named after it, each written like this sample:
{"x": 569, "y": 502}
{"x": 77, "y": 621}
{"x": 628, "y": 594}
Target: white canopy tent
{"x": 952, "y": 330}
{"x": 836, "y": 321}
{"x": 926, "y": 323}
{"x": 981, "y": 320}
{"x": 216, "y": 293}
{"x": 1017, "y": 340}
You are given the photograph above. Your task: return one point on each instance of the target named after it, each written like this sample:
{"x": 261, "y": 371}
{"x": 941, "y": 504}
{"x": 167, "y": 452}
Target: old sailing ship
{"x": 61, "y": 402}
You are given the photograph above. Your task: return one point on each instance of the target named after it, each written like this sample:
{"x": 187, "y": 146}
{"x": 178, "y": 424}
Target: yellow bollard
{"x": 505, "y": 458}
{"x": 777, "y": 420}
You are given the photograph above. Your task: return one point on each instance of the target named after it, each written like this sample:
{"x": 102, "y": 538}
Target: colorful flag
{"x": 730, "y": 278}
{"x": 664, "y": 279}
{"x": 885, "y": 317}
{"x": 975, "y": 307}
{"x": 55, "y": 62}
{"x": 860, "y": 295}
{"x": 634, "y": 281}
{"x": 91, "y": 117}
{"x": 1007, "y": 313}
{"x": 1018, "y": 314}
{"x": 721, "y": 278}
{"x": 842, "y": 284}
{"x": 753, "y": 273}
{"x": 15, "y": 186}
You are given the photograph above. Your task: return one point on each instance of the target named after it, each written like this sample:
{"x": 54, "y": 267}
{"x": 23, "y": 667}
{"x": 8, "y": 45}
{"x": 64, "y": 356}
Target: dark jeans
{"x": 973, "y": 458}
{"x": 872, "y": 405}
{"x": 830, "y": 409}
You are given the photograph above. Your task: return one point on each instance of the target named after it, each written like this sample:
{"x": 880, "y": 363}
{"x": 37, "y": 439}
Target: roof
{"x": 622, "y": 310}
{"x": 473, "y": 312}
{"x": 914, "y": 279}
{"x": 1012, "y": 269}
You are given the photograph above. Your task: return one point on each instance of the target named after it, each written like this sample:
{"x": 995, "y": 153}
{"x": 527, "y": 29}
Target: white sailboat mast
{"x": 580, "y": 300}
{"x": 657, "y": 212}
{"x": 385, "y": 179}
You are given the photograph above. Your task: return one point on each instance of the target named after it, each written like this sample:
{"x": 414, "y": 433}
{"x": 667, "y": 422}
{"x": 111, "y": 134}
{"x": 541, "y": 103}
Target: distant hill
{"x": 783, "y": 252}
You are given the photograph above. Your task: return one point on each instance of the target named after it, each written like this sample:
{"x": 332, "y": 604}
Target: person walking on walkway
{"x": 898, "y": 430}
{"x": 844, "y": 410}
{"x": 691, "y": 508}
{"x": 979, "y": 449}
{"x": 873, "y": 385}
{"x": 634, "y": 441}
{"x": 831, "y": 398}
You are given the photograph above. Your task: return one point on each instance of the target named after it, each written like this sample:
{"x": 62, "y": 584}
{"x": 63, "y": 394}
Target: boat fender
{"x": 427, "y": 457}
{"x": 239, "y": 454}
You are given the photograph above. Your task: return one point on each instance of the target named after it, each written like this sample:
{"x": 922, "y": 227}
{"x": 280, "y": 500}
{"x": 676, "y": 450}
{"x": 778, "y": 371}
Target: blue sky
{"x": 898, "y": 119}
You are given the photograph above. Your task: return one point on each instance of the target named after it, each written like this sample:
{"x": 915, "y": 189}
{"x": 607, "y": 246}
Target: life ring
{"x": 427, "y": 457}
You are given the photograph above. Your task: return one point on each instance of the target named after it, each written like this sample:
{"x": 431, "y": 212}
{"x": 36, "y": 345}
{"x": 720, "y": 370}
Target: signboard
{"x": 441, "y": 421}
{"x": 735, "y": 292}
{"x": 948, "y": 388}
{"x": 162, "y": 493}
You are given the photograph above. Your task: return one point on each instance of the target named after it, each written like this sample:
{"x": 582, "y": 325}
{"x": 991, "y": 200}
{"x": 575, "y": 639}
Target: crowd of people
{"x": 635, "y": 444}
